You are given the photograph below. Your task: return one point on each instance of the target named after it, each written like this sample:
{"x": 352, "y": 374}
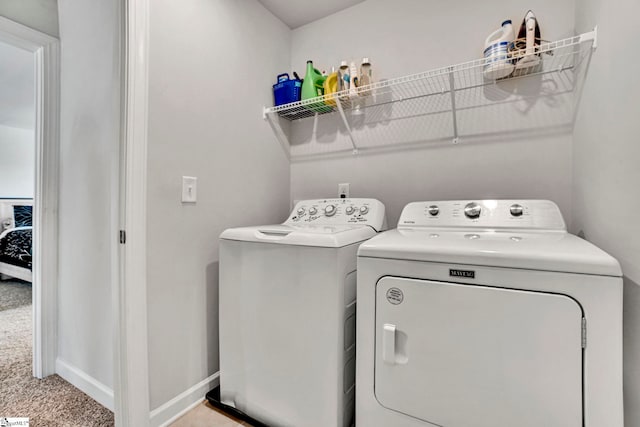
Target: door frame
{"x": 46, "y": 51}
{"x": 131, "y": 382}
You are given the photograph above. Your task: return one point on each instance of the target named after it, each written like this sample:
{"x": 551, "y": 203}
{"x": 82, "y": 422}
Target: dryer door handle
{"x": 389, "y": 343}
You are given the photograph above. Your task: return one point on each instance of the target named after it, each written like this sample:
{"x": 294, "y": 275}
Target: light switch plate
{"x": 189, "y": 189}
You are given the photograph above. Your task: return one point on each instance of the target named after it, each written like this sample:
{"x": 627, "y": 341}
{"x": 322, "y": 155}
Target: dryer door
{"x": 460, "y": 355}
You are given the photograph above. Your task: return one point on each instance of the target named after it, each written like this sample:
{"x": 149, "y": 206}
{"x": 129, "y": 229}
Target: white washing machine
{"x": 287, "y": 313}
{"x": 487, "y": 314}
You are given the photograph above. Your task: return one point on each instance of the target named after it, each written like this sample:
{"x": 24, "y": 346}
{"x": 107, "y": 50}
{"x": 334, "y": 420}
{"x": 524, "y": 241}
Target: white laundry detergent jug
{"x": 497, "y": 62}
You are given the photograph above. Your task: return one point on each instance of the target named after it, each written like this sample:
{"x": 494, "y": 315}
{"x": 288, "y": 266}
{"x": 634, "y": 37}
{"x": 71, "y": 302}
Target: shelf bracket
{"x": 591, "y": 35}
{"x": 277, "y": 130}
{"x": 452, "y": 91}
{"x": 346, "y": 124}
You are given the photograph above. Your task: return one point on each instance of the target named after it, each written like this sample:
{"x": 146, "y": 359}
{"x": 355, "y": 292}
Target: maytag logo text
{"x": 468, "y": 274}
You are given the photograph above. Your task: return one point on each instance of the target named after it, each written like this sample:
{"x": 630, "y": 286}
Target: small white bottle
{"x": 353, "y": 74}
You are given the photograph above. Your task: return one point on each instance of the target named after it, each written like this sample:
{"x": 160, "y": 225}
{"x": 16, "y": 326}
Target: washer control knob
{"x": 350, "y": 210}
{"x": 313, "y": 210}
{"x": 433, "y": 210}
{"x": 301, "y": 211}
{"x": 472, "y": 210}
{"x": 516, "y": 210}
{"x": 330, "y": 210}
{"x": 364, "y": 210}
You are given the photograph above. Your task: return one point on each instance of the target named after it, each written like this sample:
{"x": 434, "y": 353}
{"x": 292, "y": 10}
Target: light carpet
{"x": 50, "y": 402}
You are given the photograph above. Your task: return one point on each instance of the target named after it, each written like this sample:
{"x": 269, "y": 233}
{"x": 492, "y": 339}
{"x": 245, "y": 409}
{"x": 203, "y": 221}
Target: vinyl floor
{"x": 206, "y": 415}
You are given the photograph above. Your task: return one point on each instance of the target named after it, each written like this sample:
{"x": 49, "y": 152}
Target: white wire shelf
{"x": 439, "y": 104}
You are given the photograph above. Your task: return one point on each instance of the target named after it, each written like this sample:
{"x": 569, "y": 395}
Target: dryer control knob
{"x": 433, "y": 210}
{"x": 301, "y": 211}
{"x": 350, "y": 210}
{"x": 313, "y": 210}
{"x": 516, "y": 210}
{"x": 330, "y": 210}
{"x": 364, "y": 210}
{"x": 472, "y": 210}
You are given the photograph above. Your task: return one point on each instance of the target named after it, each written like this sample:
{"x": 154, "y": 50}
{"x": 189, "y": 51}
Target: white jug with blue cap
{"x": 497, "y": 62}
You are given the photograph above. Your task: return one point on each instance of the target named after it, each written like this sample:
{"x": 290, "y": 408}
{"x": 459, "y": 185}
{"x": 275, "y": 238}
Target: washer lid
{"x": 326, "y": 236}
{"x": 546, "y": 250}
{"x": 328, "y": 223}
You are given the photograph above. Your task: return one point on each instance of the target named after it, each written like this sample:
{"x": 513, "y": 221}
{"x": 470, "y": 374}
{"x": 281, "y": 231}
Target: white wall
{"x": 41, "y": 15}
{"x": 606, "y": 173}
{"x": 410, "y": 36}
{"x": 17, "y": 86}
{"x": 17, "y": 162}
{"x": 89, "y": 139}
{"x": 211, "y": 67}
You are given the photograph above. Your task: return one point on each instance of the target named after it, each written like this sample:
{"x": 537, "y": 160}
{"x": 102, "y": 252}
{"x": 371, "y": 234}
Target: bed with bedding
{"x": 16, "y": 243}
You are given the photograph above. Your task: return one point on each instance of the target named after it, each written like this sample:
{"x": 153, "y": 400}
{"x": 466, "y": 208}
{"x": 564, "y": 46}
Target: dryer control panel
{"x": 369, "y": 212}
{"x": 529, "y": 214}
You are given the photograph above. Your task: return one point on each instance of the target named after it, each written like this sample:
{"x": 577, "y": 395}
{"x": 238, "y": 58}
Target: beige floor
{"x": 206, "y": 415}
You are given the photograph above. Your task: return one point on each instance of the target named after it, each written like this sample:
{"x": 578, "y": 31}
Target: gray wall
{"x": 212, "y": 64}
{"x": 89, "y": 139}
{"x": 606, "y": 173}
{"x": 41, "y": 15}
{"x": 410, "y": 36}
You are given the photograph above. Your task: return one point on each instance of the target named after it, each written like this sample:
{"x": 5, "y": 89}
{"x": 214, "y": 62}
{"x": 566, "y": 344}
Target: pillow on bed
{"x": 6, "y": 224}
{"x": 23, "y": 216}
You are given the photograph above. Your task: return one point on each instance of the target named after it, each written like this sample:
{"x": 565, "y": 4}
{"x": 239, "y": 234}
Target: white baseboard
{"x": 89, "y": 385}
{"x": 172, "y": 410}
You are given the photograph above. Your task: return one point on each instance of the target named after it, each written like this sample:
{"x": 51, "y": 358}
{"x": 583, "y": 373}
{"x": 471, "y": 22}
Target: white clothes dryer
{"x": 287, "y": 313}
{"x": 487, "y": 314}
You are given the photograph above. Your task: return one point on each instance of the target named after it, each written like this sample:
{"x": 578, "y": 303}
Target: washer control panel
{"x": 339, "y": 212}
{"x": 532, "y": 214}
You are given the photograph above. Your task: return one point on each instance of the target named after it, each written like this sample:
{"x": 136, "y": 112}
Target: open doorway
{"x": 34, "y": 86}
{"x": 17, "y": 189}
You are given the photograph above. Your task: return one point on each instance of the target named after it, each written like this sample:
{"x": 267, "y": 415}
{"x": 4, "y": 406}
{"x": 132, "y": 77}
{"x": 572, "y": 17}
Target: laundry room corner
{"x": 215, "y": 163}
{"x": 206, "y": 60}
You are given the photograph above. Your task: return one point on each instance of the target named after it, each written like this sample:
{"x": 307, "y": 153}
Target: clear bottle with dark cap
{"x": 366, "y": 77}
